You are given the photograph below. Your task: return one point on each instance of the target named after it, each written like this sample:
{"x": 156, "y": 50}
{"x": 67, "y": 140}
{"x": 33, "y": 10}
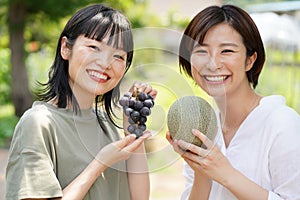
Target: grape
{"x": 150, "y": 97}
{"x": 124, "y": 101}
{"x": 138, "y": 132}
{"x": 135, "y": 116}
{"x": 128, "y": 111}
{"x": 138, "y": 105}
{"x": 137, "y": 109}
{"x": 145, "y": 111}
{"x": 131, "y": 121}
{"x": 143, "y": 119}
{"x": 131, "y": 128}
{"x": 142, "y": 96}
{"x": 142, "y": 127}
{"x": 148, "y": 103}
{"x": 131, "y": 103}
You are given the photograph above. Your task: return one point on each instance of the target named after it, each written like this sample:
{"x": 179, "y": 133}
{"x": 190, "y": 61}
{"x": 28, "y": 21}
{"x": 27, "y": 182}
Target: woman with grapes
{"x": 62, "y": 148}
{"x": 255, "y": 154}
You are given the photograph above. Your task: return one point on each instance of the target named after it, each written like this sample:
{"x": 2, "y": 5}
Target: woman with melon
{"x": 255, "y": 154}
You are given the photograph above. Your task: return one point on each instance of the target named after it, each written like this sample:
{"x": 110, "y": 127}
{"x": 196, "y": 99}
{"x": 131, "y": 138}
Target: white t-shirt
{"x": 266, "y": 149}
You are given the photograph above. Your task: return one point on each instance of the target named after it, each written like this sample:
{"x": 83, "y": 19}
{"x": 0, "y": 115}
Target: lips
{"x": 98, "y": 75}
{"x": 217, "y": 79}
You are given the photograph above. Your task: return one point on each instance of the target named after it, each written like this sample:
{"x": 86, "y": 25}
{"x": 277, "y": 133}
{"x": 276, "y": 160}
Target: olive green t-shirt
{"x": 52, "y": 146}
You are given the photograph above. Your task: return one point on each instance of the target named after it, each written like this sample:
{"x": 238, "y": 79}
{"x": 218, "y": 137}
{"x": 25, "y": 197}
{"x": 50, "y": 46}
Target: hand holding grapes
{"x": 137, "y": 104}
{"x": 120, "y": 150}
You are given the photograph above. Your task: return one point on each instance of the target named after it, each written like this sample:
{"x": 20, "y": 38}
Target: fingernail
{"x": 148, "y": 134}
{"x": 197, "y": 132}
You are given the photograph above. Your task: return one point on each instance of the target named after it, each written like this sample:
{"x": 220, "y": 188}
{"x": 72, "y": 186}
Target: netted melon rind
{"x": 191, "y": 112}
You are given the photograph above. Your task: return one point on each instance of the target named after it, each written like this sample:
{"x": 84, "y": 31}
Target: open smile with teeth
{"x": 215, "y": 78}
{"x": 98, "y": 75}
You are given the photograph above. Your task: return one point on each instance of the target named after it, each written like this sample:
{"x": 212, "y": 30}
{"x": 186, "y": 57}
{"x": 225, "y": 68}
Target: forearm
{"x": 201, "y": 187}
{"x": 244, "y": 188}
{"x": 79, "y": 187}
{"x": 138, "y": 175}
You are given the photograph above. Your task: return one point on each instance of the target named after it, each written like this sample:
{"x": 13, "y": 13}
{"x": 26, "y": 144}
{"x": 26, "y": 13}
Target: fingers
{"x": 177, "y": 148}
{"x": 143, "y": 87}
{"x": 194, "y": 148}
{"x": 169, "y": 137}
{"x": 137, "y": 143}
{"x": 125, "y": 141}
{"x": 206, "y": 141}
{"x": 175, "y": 144}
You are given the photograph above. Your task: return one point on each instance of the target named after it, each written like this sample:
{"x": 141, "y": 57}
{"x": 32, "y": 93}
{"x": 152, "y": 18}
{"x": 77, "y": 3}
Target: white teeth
{"x": 97, "y": 75}
{"x": 215, "y": 78}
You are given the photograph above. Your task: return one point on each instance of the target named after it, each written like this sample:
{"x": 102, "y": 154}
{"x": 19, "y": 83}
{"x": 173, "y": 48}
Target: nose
{"x": 103, "y": 62}
{"x": 213, "y": 63}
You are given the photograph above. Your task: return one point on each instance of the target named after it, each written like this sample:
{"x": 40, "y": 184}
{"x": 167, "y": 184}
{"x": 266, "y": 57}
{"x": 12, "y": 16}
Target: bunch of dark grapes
{"x": 137, "y": 108}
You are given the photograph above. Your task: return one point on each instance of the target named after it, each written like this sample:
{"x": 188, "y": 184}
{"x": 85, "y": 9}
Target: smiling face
{"x": 219, "y": 64}
{"x": 94, "y": 67}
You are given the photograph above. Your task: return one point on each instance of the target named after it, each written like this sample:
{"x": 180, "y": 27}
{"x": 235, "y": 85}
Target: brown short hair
{"x": 238, "y": 19}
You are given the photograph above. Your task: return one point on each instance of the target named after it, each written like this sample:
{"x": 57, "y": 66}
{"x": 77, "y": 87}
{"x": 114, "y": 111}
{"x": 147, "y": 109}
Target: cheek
{"x": 197, "y": 63}
{"x": 196, "y": 76}
{"x": 196, "y": 66}
{"x": 195, "y": 72}
{"x": 119, "y": 70}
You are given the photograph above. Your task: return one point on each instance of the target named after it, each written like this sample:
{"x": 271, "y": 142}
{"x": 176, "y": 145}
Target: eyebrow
{"x": 222, "y": 45}
{"x": 229, "y": 44}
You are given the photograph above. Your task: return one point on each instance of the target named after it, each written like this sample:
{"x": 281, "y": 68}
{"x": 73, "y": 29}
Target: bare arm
{"x": 201, "y": 184}
{"x": 244, "y": 188}
{"x": 201, "y": 187}
{"x": 138, "y": 175}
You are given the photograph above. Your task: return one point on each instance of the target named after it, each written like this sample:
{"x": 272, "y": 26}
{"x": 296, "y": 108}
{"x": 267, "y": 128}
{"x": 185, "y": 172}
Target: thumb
{"x": 126, "y": 140}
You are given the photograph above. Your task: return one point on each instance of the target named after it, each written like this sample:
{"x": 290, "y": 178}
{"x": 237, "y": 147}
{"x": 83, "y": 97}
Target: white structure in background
{"x": 279, "y": 23}
{"x": 183, "y": 8}
{"x": 278, "y": 31}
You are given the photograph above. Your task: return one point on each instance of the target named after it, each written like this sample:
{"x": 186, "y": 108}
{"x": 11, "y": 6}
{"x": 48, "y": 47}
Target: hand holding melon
{"x": 191, "y": 112}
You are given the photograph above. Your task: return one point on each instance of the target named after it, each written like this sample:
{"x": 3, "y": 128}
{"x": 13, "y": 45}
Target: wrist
{"x": 98, "y": 166}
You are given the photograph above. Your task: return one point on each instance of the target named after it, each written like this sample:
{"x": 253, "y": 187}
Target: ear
{"x": 64, "y": 50}
{"x": 250, "y": 61}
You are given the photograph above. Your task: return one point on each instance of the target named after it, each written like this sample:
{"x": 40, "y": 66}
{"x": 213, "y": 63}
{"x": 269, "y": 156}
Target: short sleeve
{"x": 30, "y": 171}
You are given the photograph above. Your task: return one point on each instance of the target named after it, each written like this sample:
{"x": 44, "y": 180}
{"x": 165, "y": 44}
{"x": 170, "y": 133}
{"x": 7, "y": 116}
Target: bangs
{"x": 112, "y": 25}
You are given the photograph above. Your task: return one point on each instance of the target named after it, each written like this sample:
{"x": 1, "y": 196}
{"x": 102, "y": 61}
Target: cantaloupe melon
{"x": 191, "y": 112}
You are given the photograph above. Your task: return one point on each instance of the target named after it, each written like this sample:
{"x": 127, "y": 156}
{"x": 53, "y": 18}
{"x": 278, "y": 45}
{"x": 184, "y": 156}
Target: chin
{"x": 216, "y": 93}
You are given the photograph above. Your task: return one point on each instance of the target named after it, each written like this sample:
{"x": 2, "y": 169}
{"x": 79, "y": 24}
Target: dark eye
{"x": 200, "y": 51}
{"x": 227, "y": 51}
{"x": 94, "y": 47}
{"x": 119, "y": 57}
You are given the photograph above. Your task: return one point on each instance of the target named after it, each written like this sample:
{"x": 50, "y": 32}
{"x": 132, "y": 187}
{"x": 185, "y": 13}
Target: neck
{"x": 82, "y": 105}
{"x": 235, "y": 108}
{"x": 84, "y": 98}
